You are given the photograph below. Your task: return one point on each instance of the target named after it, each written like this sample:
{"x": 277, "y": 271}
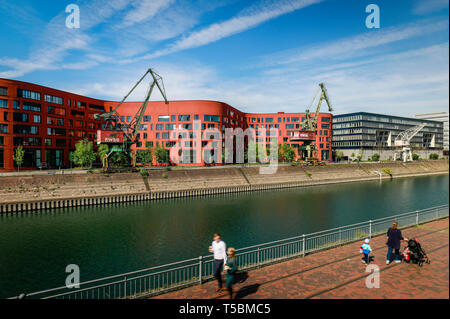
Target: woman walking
{"x": 230, "y": 268}
{"x": 394, "y": 237}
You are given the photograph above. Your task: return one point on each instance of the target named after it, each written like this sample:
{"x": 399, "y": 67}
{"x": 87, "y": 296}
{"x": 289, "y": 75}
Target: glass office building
{"x": 372, "y": 133}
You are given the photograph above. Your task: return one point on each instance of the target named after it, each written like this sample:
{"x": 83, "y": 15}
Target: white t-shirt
{"x": 220, "y": 250}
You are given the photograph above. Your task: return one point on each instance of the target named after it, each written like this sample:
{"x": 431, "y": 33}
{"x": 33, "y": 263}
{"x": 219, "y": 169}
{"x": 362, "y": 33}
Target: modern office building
{"x": 47, "y": 123}
{"x": 364, "y": 134}
{"x": 440, "y": 117}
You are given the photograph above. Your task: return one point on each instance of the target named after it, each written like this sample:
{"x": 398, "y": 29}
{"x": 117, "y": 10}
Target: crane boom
{"x": 310, "y": 124}
{"x": 405, "y": 137}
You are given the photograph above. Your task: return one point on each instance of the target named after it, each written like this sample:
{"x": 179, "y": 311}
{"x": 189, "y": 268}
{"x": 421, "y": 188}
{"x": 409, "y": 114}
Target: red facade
{"x": 47, "y": 123}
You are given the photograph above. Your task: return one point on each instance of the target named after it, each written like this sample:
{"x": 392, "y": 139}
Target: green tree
{"x": 286, "y": 153}
{"x": 144, "y": 156}
{"x": 360, "y": 154}
{"x": 84, "y": 154}
{"x": 339, "y": 155}
{"x": 415, "y": 157}
{"x": 161, "y": 154}
{"x": 434, "y": 156}
{"x": 102, "y": 152}
{"x": 119, "y": 158}
{"x": 18, "y": 157}
{"x": 375, "y": 157}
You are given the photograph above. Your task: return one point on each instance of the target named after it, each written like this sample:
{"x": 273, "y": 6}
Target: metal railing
{"x": 160, "y": 279}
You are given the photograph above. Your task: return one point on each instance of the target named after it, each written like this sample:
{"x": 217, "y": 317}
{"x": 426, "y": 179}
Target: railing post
{"x": 417, "y": 217}
{"x": 200, "y": 263}
{"x": 125, "y": 288}
{"x": 340, "y": 236}
{"x": 370, "y": 229}
{"x": 304, "y": 246}
{"x": 258, "y": 260}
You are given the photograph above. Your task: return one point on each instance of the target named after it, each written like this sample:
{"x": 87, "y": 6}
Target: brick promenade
{"x": 339, "y": 273}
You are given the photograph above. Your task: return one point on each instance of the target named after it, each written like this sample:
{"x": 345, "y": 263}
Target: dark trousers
{"x": 366, "y": 258}
{"x": 218, "y": 266}
{"x": 396, "y": 252}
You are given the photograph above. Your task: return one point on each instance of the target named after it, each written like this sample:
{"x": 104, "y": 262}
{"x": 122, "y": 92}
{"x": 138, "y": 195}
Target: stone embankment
{"x": 35, "y": 192}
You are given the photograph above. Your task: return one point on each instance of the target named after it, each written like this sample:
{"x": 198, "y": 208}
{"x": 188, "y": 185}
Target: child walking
{"x": 366, "y": 250}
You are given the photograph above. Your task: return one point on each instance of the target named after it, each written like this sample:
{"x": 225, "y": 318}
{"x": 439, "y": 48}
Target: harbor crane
{"x": 126, "y": 134}
{"x": 402, "y": 143}
{"x": 309, "y": 125}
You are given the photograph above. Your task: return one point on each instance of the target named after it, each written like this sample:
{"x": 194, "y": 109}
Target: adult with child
{"x": 394, "y": 237}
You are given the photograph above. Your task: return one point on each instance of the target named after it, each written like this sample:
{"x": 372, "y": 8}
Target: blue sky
{"x": 258, "y": 56}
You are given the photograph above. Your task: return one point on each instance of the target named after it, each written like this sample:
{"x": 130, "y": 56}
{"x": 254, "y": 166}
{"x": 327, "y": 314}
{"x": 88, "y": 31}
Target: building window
{"x": 48, "y": 142}
{"x": 53, "y": 99}
{"x": 26, "y": 94}
{"x": 128, "y": 119}
{"x": 163, "y": 118}
{"x": 27, "y": 141}
{"x": 30, "y": 106}
{"x": 3, "y": 91}
{"x": 212, "y": 118}
{"x": 60, "y": 142}
{"x": 3, "y": 128}
{"x": 196, "y": 117}
{"x": 147, "y": 118}
{"x": 20, "y": 117}
{"x": 57, "y": 131}
{"x": 25, "y": 129}
{"x": 72, "y": 112}
{"x": 99, "y": 108}
{"x": 36, "y": 118}
{"x": 159, "y": 127}
{"x": 3, "y": 103}
{"x": 5, "y": 116}
{"x": 2, "y": 140}
{"x": 184, "y": 118}
{"x": 16, "y": 105}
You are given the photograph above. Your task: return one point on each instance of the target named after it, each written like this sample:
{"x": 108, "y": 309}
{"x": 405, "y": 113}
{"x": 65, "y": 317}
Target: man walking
{"x": 219, "y": 249}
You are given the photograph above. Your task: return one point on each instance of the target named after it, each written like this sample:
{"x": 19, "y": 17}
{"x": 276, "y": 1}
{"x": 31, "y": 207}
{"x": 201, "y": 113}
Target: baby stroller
{"x": 415, "y": 254}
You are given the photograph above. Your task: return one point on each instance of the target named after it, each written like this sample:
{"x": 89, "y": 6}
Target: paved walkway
{"x": 339, "y": 273}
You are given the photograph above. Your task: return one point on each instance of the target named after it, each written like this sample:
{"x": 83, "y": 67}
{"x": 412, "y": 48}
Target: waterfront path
{"x": 339, "y": 273}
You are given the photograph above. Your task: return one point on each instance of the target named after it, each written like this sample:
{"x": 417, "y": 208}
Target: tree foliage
{"x": 102, "y": 151}
{"x": 144, "y": 156}
{"x": 286, "y": 153}
{"x": 19, "y": 156}
{"x": 84, "y": 154}
{"x": 162, "y": 155}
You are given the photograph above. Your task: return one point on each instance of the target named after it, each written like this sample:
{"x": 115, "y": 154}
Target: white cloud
{"x": 52, "y": 45}
{"x": 404, "y": 83}
{"x": 242, "y": 22}
{"x": 355, "y": 46}
{"x": 423, "y": 7}
{"x": 143, "y": 10}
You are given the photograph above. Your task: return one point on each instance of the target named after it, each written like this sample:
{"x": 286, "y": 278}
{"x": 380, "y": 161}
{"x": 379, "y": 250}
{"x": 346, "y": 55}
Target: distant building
{"x": 364, "y": 134}
{"x": 441, "y": 117}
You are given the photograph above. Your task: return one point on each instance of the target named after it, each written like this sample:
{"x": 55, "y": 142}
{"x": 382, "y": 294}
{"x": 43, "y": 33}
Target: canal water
{"x": 35, "y": 248}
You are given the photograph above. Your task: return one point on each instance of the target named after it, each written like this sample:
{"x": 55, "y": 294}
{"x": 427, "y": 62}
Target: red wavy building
{"x": 47, "y": 123}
